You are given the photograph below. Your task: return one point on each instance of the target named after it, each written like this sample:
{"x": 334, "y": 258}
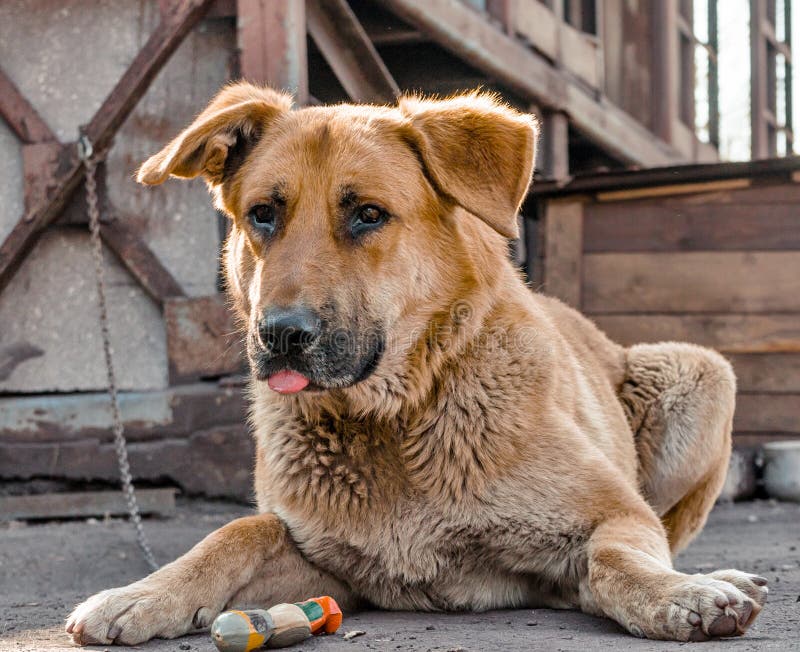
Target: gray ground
{"x": 46, "y": 569}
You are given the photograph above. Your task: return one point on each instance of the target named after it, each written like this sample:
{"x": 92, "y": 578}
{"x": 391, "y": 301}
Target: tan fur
{"x": 503, "y": 453}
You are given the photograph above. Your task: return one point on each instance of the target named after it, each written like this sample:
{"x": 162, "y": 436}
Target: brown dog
{"x": 431, "y": 434}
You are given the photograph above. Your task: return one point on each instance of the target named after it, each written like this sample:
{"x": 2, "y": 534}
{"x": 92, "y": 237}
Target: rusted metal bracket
{"x": 65, "y": 168}
{"x": 349, "y": 51}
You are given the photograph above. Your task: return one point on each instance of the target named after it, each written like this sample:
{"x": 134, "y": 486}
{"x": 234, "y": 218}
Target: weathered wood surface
{"x": 84, "y": 504}
{"x": 563, "y": 256}
{"x": 740, "y": 282}
{"x": 272, "y": 44}
{"x": 349, "y": 52}
{"x": 467, "y": 33}
{"x": 767, "y": 413}
{"x": 673, "y": 226}
{"x": 730, "y": 333}
{"x": 203, "y": 340}
{"x": 767, "y": 372}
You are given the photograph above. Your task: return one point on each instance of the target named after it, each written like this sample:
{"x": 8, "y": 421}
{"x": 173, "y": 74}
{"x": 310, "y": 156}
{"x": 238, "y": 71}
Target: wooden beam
{"x": 20, "y": 114}
{"x": 164, "y": 40}
{"x": 85, "y": 503}
{"x": 272, "y": 44}
{"x": 140, "y": 261}
{"x": 471, "y": 37}
{"x": 349, "y": 52}
{"x": 554, "y": 145}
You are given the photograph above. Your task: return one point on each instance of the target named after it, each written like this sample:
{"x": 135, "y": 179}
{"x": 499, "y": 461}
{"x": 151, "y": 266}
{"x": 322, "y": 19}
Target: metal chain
{"x": 90, "y": 163}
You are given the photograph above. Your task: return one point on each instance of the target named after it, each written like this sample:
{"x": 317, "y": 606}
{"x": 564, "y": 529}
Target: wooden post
{"x": 759, "y": 128}
{"x": 554, "y": 145}
{"x": 272, "y": 44}
{"x": 664, "y": 16}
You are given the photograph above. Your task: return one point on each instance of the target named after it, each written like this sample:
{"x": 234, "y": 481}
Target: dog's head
{"x": 352, "y": 226}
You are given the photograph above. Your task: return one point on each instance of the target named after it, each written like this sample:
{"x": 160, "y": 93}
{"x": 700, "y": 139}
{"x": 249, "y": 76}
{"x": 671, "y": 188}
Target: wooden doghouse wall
{"x": 716, "y": 263}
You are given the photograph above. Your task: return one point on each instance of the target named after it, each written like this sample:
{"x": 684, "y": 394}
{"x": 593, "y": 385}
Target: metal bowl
{"x": 782, "y": 469}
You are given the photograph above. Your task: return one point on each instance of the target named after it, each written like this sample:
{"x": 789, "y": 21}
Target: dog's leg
{"x": 630, "y": 579}
{"x": 252, "y": 558}
{"x": 680, "y": 399}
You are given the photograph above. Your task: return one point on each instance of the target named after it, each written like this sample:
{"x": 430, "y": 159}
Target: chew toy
{"x": 279, "y": 626}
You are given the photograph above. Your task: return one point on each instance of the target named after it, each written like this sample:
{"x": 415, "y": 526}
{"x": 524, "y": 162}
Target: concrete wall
{"x": 66, "y": 57}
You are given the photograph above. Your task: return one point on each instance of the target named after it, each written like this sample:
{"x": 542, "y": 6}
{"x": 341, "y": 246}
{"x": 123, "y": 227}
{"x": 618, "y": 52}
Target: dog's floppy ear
{"x": 219, "y": 138}
{"x": 477, "y": 151}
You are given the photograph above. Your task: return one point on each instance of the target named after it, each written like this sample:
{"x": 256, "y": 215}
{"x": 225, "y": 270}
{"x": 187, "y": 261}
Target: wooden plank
{"x": 84, "y": 504}
{"x": 140, "y": 260}
{"x": 770, "y": 171}
{"x": 727, "y": 333}
{"x": 471, "y": 37}
{"x": 563, "y": 245}
{"x": 712, "y": 225}
{"x": 692, "y": 282}
{"x": 742, "y": 440}
{"x": 272, "y": 44}
{"x": 203, "y": 340}
{"x": 164, "y": 40}
{"x": 20, "y": 115}
{"x": 675, "y": 189}
{"x": 767, "y": 413}
{"x": 349, "y": 52}
{"x": 767, "y": 372}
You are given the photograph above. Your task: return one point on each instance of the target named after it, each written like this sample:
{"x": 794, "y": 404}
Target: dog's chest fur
{"x": 411, "y": 514}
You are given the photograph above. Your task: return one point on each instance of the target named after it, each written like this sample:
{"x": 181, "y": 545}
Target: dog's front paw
{"x": 702, "y": 607}
{"x": 134, "y": 614}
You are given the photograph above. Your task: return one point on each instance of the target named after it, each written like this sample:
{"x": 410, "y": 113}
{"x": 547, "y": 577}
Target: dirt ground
{"x": 46, "y": 569}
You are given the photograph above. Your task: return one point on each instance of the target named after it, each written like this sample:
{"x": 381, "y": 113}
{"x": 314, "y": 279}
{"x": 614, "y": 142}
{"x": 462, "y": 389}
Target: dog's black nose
{"x": 288, "y": 330}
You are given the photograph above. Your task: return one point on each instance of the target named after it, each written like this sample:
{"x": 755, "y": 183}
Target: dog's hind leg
{"x": 250, "y": 560}
{"x": 679, "y": 399}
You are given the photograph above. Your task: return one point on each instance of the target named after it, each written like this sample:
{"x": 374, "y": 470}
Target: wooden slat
{"x": 164, "y": 40}
{"x": 272, "y": 44}
{"x": 349, "y": 52}
{"x": 692, "y": 282}
{"x": 674, "y": 189}
{"x": 727, "y": 333}
{"x": 84, "y": 504}
{"x": 767, "y": 413}
{"x": 470, "y": 36}
{"x": 203, "y": 340}
{"x": 140, "y": 261}
{"x": 20, "y": 114}
{"x": 768, "y": 372}
{"x": 691, "y": 226}
{"x": 563, "y": 257}
{"x": 742, "y": 440}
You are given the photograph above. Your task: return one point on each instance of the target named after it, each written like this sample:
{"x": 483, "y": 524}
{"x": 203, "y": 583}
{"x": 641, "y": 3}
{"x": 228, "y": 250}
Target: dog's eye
{"x": 262, "y": 217}
{"x": 366, "y": 218}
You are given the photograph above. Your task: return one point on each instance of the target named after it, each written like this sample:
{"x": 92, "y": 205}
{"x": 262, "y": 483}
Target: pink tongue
{"x": 287, "y": 382}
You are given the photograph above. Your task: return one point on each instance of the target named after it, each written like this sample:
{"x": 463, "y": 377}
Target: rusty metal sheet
{"x": 84, "y": 504}
{"x": 203, "y": 340}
